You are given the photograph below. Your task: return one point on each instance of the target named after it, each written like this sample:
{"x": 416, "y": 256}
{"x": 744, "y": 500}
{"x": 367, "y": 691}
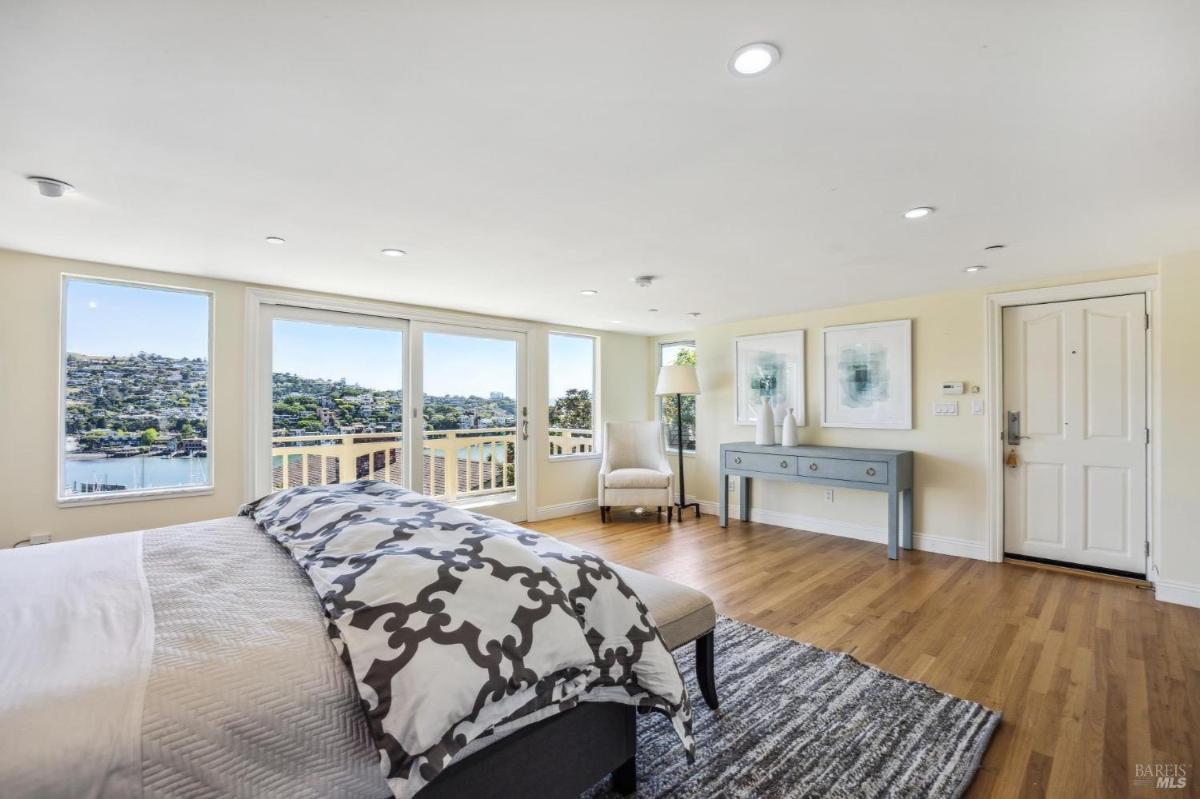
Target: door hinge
{"x": 1147, "y": 436}
{"x": 1147, "y": 321}
{"x": 1147, "y": 548}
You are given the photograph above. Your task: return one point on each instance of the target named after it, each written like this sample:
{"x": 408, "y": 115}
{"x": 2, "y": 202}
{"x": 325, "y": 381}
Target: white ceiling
{"x": 522, "y": 151}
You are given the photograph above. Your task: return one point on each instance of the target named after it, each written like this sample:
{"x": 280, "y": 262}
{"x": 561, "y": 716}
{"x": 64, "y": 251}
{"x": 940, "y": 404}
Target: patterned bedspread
{"x": 457, "y": 625}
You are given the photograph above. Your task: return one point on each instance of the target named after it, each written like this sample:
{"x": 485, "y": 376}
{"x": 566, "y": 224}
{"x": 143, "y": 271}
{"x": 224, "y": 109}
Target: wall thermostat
{"x": 952, "y": 388}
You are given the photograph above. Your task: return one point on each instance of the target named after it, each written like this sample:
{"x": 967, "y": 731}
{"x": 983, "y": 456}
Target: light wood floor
{"x": 1092, "y": 676}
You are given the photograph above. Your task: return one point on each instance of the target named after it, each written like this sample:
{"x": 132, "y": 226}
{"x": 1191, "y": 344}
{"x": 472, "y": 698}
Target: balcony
{"x": 459, "y": 465}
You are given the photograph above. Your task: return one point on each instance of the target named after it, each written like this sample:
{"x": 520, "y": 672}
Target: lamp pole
{"x": 683, "y": 503}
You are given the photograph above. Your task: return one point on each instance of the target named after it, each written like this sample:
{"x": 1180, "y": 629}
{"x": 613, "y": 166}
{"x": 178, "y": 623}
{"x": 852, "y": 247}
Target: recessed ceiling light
{"x": 994, "y": 247}
{"x": 653, "y": 310}
{"x": 976, "y": 268}
{"x": 274, "y": 240}
{"x": 753, "y": 59}
{"x": 616, "y": 322}
{"x": 693, "y": 314}
{"x": 391, "y": 252}
{"x": 917, "y": 213}
{"x": 51, "y": 187}
{"x": 589, "y": 292}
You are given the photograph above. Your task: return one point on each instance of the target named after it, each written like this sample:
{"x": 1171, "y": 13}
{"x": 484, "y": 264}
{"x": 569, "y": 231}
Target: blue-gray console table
{"x": 889, "y": 470}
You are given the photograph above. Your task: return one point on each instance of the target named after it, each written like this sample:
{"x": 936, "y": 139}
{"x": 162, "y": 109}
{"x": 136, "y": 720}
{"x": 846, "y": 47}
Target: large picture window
{"x": 135, "y": 398}
{"x": 678, "y": 352}
{"x": 571, "y": 366}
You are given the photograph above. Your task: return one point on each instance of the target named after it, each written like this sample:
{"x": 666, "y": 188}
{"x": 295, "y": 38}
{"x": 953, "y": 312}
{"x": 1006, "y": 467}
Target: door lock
{"x": 1014, "y": 428}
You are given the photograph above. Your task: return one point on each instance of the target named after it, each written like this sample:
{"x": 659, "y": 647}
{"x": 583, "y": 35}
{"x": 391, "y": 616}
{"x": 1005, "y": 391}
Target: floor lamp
{"x": 679, "y": 379}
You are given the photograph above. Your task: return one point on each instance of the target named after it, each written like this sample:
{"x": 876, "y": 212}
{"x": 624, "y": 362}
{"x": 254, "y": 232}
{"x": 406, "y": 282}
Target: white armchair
{"x": 634, "y": 468}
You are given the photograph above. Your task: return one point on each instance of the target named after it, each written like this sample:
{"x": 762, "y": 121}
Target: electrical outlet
{"x": 829, "y": 495}
{"x": 39, "y": 538}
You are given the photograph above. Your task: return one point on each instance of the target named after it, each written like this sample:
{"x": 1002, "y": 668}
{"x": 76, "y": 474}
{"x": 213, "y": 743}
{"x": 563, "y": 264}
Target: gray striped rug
{"x": 798, "y": 721}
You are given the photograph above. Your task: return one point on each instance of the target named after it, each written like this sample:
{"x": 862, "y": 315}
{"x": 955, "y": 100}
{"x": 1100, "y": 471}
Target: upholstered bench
{"x": 683, "y": 615}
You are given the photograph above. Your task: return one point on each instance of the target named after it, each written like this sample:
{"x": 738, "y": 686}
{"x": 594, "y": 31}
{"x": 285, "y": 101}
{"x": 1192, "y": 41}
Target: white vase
{"x": 789, "y": 430}
{"x": 764, "y": 432}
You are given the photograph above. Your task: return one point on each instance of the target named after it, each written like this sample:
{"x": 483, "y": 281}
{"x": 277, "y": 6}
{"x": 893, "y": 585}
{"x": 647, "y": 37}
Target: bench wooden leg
{"x": 704, "y": 668}
{"x": 624, "y": 779}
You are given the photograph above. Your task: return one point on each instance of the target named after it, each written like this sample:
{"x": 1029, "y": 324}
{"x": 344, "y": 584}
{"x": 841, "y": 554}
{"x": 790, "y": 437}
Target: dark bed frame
{"x": 564, "y": 755}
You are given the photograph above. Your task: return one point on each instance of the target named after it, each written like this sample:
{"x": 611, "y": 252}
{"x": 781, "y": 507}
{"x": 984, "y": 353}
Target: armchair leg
{"x": 670, "y": 513}
{"x": 660, "y": 511}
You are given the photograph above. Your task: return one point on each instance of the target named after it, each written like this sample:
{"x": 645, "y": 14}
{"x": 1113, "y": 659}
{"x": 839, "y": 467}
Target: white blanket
{"x": 76, "y": 640}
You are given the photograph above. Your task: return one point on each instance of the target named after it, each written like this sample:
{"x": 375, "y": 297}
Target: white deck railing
{"x": 457, "y": 463}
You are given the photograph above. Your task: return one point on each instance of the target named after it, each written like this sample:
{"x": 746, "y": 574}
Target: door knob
{"x": 783, "y": 464}
{"x": 870, "y": 471}
{"x": 737, "y": 460}
{"x": 812, "y": 467}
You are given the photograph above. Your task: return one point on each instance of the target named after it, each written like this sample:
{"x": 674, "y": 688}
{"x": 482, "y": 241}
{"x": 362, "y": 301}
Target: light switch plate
{"x": 977, "y": 407}
{"x": 945, "y": 408}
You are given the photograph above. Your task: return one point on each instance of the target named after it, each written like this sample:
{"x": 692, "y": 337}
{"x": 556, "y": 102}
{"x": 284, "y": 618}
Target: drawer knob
{"x": 870, "y": 471}
{"x": 812, "y": 467}
{"x": 783, "y": 464}
{"x": 737, "y": 460}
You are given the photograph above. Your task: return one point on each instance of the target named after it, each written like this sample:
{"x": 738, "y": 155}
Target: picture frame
{"x": 769, "y": 365}
{"x": 866, "y": 372}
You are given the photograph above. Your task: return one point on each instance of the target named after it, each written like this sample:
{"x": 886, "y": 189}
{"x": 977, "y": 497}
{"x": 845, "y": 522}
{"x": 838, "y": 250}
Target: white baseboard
{"x": 1177, "y": 593}
{"x": 943, "y": 545}
{"x": 564, "y": 509}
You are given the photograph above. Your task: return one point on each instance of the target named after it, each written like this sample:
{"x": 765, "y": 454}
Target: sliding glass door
{"x": 471, "y": 382}
{"x": 337, "y": 399}
{"x": 436, "y": 408}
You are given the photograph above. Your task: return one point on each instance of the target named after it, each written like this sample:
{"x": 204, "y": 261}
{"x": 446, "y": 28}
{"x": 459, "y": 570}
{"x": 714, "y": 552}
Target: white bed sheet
{"x": 76, "y": 637}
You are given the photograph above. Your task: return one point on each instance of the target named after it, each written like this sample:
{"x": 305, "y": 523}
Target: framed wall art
{"x": 867, "y": 375}
{"x": 769, "y": 366}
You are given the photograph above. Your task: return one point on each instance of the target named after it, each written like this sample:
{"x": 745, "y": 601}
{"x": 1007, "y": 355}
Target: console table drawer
{"x": 760, "y": 462}
{"x": 838, "y": 469}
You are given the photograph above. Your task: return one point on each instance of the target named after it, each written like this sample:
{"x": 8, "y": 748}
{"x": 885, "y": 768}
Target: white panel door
{"x": 1075, "y": 372}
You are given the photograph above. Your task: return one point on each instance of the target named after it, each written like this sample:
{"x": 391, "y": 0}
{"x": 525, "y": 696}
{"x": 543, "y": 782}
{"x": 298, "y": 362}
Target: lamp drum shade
{"x": 677, "y": 379}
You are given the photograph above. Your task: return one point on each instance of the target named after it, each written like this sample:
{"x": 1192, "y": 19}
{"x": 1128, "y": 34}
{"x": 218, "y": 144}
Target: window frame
{"x": 136, "y": 495}
{"x": 658, "y": 406}
{"x": 597, "y": 443}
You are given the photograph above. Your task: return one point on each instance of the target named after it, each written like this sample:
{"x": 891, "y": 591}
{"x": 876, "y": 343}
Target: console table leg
{"x": 744, "y": 498}
{"x": 893, "y": 525}
{"x": 907, "y": 532}
{"x": 724, "y": 500}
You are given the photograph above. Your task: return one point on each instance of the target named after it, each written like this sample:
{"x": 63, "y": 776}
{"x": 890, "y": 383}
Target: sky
{"x": 454, "y": 364}
{"x": 369, "y": 356}
{"x": 116, "y": 319}
{"x": 570, "y": 363}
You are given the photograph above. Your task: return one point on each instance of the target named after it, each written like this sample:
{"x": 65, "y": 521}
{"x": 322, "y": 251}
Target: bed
{"x": 196, "y": 660}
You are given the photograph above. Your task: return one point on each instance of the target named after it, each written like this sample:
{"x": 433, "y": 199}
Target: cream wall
{"x": 1179, "y": 426}
{"x": 948, "y": 344}
{"x": 29, "y": 341}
